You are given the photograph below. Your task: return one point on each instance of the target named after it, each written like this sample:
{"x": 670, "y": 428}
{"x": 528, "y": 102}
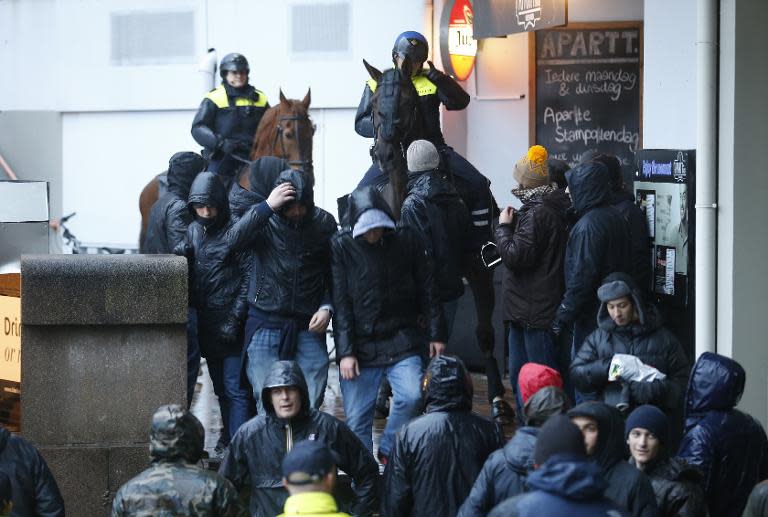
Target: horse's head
{"x": 286, "y": 131}
{"x": 395, "y": 117}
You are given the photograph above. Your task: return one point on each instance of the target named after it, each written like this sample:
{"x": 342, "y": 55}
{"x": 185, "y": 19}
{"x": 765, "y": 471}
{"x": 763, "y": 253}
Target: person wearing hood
{"x": 174, "y": 483}
{"x": 226, "y": 121}
{"x": 289, "y": 294}
{"x": 676, "y": 484}
{"x": 438, "y": 456}
{"x": 33, "y": 489}
{"x": 728, "y": 446}
{"x": 603, "y": 430}
{"x": 167, "y": 228}
{"x": 564, "y": 481}
{"x": 382, "y": 283}
{"x": 218, "y": 280}
{"x": 253, "y": 461}
{"x": 628, "y": 327}
{"x": 598, "y": 245}
{"x": 505, "y": 471}
{"x": 532, "y": 243}
{"x": 624, "y": 203}
{"x": 435, "y": 210}
{"x": 242, "y": 199}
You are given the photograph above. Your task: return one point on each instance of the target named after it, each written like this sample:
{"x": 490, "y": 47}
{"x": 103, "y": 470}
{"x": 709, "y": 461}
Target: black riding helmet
{"x": 233, "y": 63}
{"x": 411, "y": 44}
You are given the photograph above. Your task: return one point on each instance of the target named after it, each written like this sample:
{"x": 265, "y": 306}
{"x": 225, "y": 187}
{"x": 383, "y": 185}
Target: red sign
{"x": 458, "y": 46}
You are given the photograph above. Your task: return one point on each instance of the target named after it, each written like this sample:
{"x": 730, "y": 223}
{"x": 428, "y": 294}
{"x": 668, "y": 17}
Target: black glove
{"x": 229, "y": 145}
{"x": 433, "y": 74}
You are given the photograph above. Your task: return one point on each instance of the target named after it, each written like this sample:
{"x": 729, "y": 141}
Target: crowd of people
{"x": 611, "y": 416}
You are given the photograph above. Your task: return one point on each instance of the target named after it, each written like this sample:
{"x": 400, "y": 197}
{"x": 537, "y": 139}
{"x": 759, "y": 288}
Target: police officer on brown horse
{"x": 226, "y": 120}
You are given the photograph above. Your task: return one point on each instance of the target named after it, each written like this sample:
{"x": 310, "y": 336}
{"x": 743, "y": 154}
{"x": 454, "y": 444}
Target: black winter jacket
{"x": 293, "y": 271}
{"x": 624, "y": 202}
{"x": 647, "y": 340}
{"x": 677, "y": 486}
{"x": 597, "y": 246}
{"x": 532, "y": 249}
{"x": 435, "y": 211}
{"x": 257, "y": 450}
{"x": 728, "y": 446}
{"x": 438, "y": 456}
{"x": 380, "y": 290}
{"x": 447, "y": 92}
{"x": 34, "y": 489}
{"x": 223, "y": 115}
{"x": 757, "y": 504}
{"x": 218, "y": 277}
{"x": 169, "y": 217}
{"x": 263, "y": 173}
{"x": 627, "y": 486}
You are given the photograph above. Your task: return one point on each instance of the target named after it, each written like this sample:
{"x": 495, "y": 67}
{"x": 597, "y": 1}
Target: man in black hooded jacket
{"x": 34, "y": 489}
{"x": 439, "y": 455}
{"x": 603, "y": 430}
{"x": 598, "y": 245}
{"x": 253, "y": 462}
{"x": 289, "y": 292}
{"x": 382, "y": 283}
{"x": 218, "y": 286}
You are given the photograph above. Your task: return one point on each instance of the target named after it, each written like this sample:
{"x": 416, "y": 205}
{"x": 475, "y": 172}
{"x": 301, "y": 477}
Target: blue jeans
{"x": 234, "y": 401}
{"x": 193, "y": 354}
{"x": 359, "y": 397}
{"x": 311, "y": 355}
{"x": 529, "y": 345}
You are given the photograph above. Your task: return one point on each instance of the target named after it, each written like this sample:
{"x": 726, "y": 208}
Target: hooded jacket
{"x": 443, "y": 90}
{"x": 564, "y": 485}
{"x": 380, "y": 290}
{"x": 174, "y": 483}
{"x": 218, "y": 277}
{"x": 645, "y": 339}
{"x": 435, "y": 211}
{"x": 505, "y": 471}
{"x": 677, "y": 486}
{"x": 438, "y": 456}
{"x": 263, "y": 172}
{"x": 34, "y": 489}
{"x": 259, "y": 446}
{"x": 532, "y": 249}
{"x": 292, "y": 270}
{"x": 624, "y": 203}
{"x": 627, "y": 486}
{"x": 169, "y": 217}
{"x": 728, "y": 446}
{"x": 597, "y": 246}
{"x": 757, "y": 504}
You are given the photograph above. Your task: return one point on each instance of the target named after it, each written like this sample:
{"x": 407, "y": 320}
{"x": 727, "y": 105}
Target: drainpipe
{"x": 706, "y": 176}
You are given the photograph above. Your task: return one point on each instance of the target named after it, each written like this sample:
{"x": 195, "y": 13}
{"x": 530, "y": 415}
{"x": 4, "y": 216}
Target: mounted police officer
{"x": 226, "y": 120}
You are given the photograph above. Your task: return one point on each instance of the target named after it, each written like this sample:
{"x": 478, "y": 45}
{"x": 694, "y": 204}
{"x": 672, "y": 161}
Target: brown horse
{"x": 285, "y": 131}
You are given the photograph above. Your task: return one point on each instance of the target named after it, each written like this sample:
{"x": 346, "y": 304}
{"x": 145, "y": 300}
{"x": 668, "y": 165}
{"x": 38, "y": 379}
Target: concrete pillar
{"x": 104, "y": 344}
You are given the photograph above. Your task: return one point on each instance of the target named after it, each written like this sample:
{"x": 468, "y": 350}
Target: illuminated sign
{"x": 10, "y": 339}
{"x": 457, "y": 45}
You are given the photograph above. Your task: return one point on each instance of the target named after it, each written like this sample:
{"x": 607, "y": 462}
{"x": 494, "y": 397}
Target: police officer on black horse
{"x": 434, "y": 88}
{"x": 226, "y": 120}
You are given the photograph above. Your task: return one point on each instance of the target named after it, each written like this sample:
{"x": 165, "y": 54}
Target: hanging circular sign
{"x": 457, "y": 46}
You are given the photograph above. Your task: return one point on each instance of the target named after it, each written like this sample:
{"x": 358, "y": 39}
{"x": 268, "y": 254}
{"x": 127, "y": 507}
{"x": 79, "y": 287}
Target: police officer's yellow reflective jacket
{"x": 229, "y": 113}
{"x": 442, "y": 89}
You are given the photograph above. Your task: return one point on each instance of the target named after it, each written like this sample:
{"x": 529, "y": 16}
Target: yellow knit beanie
{"x": 532, "y": 171}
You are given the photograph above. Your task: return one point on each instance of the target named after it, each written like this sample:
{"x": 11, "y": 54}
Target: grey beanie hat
{"x": 371, "y": 219}
{"x": 613, "y": 291}
{"x": 422, "y": 156}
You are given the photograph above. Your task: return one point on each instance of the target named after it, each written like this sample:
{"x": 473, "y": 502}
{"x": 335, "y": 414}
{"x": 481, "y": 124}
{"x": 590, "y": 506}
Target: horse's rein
{"x": 303, "y": 163}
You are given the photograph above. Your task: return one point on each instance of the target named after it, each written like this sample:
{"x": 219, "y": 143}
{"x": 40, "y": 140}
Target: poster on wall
{"x": 496, "y": 18}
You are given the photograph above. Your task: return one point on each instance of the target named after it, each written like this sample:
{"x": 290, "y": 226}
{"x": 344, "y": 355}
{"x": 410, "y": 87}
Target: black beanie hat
{"x": 651, "y": 418}
{"x": 558, "y": 435}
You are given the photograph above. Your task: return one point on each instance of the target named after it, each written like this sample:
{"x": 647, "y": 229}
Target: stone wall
{"x": 103, "y": 344}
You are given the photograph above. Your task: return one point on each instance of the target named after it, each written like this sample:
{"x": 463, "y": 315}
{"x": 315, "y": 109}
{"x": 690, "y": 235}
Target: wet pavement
{"x": 205, "y": 405}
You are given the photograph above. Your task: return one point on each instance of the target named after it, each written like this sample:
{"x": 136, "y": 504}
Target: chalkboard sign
{"x": 587, "y": 91}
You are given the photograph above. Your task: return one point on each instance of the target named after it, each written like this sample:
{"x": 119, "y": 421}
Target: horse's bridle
{"x": 304, "y": 164}
{"x": 391, "y": 90}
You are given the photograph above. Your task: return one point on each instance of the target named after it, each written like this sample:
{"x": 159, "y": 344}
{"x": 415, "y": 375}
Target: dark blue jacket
{"x": 730, "y": 447}
{"x": 599, "y": 243}
{"x": 503, "y": 475}
{"x": 563, "y": 485}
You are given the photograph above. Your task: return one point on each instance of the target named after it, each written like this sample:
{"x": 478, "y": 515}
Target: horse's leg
{"x": 147, "y": 198}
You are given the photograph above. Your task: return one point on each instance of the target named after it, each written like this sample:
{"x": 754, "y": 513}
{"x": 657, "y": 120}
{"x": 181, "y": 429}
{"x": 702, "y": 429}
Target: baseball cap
{"x": 308, "y": 462}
